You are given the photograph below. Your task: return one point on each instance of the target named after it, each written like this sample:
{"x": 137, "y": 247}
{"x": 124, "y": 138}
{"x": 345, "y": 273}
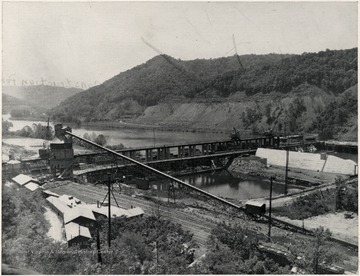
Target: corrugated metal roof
{"x": 58, "y": 204}
{"x": 73, "y": 230}
{"x": 32, "y": 186}
{"x": 75, "y": 212}
{"x": 22, "y": 179}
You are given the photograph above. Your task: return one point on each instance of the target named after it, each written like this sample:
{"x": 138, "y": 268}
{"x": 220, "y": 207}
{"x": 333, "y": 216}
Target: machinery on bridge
{"x": 235, "y": 136}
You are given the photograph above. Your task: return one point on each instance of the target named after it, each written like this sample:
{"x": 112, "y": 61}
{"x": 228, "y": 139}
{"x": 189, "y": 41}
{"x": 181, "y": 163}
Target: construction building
{"x": 61, "y": 159}
{"x": 80, "y": 219}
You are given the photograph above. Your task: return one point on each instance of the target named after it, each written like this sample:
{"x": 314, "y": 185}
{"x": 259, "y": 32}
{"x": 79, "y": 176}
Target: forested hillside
{"x": 292, "y": 92}
{"x": 40, "y": 96}
{"x": 9, "y": 102}
{"x": 160, "y": 78}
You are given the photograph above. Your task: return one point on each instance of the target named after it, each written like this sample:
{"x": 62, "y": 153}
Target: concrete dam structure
{"x": 309, "y": 161}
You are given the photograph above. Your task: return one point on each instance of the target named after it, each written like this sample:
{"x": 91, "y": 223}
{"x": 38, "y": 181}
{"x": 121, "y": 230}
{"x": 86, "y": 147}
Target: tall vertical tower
{"x": 62, "y": 156}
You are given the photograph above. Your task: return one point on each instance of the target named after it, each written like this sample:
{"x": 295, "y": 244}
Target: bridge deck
{"x": 110, "y": 166}
{"x": 167, "y": 146}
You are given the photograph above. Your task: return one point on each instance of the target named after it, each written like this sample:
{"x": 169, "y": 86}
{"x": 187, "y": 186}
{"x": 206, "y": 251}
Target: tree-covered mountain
{"x": 255, "y": 93}
{"x": 41, "y": 96}
{"x": 158, "y": 79}
{"x": 9, "y": 102}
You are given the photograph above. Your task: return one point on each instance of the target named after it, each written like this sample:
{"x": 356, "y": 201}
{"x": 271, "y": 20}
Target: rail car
{"x": 297, "y": 139}
{"x": 291, "y": 139}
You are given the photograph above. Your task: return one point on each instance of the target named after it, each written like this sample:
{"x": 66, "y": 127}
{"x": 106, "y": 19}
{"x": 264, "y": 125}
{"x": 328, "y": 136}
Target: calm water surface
{"x": 133, "y": 137}
{"x": 225, "y": 184}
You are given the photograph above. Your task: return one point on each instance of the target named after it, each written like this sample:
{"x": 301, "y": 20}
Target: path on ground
{"x": 55, "y": 232}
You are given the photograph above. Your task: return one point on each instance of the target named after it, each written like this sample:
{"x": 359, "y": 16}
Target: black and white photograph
{"x": 179, "y": 137}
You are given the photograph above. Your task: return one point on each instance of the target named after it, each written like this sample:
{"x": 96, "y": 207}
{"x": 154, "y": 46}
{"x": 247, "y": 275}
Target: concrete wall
{"x": 308, "y": 161}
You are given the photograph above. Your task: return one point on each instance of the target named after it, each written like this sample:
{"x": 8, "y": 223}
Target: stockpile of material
{"x": 308, "y": 161}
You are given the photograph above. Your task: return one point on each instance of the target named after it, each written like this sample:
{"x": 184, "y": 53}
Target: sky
{"x": 86, "y": 43}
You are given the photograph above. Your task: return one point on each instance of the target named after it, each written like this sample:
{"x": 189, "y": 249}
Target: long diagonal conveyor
{"x": 151, "y": 169}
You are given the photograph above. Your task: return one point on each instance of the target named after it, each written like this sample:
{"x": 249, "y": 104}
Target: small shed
{"x": 77, "y": 234}
{"x": 255, "y": 208}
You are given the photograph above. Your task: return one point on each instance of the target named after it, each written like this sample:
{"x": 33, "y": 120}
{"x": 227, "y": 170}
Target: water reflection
{"x": 225, "y": 184}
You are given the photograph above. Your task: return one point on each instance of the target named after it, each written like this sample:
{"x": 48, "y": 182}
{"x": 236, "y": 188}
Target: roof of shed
{"x": 73, "y": 230}
{"x": 70, "y": 200}
{"x": 32, "y": 186}
{"x": 137, "y": 211}
{"x": 14, "y": 162}
{"x": 75, "y": 212}
{"x": 22, "y": 179}
{"x": 255, "y": 203}
{"x": 50, "y": 193}
{"x": 115, "y": 211}
{"x": 58, "y": 204}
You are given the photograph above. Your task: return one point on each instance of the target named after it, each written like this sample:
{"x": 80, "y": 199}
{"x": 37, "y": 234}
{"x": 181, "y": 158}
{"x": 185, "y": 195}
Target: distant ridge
{"x": 41, "y": 96}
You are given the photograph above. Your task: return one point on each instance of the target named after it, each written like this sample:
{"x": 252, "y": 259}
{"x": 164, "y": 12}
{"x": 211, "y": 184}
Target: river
{"x": 131, "y": 137}
{"x": 220, "y": 183}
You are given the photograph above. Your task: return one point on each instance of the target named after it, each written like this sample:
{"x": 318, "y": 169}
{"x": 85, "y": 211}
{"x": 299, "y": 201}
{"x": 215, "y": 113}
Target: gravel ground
{"x": 340, "y": 227}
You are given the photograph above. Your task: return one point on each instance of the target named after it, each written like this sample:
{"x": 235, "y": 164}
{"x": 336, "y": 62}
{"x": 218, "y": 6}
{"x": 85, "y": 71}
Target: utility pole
{"x": 98, "y": 244}
{"x": 287, "y": 163}
{"x": 271, "y": 185}
{"x": 154, "y": 135}
{"x": 109, "y": 211}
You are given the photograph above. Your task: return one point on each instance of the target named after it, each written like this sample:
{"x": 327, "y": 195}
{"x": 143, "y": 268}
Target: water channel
{"x": 221, "y": 183}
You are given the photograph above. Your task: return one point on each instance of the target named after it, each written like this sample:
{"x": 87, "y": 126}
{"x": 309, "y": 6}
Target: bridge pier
{"x": 203, "y": 149}
{"x": 167, "y": 153}
{"x": 191, "y": 150}
{"x": 180, "y": 151}
{"x": 132, "y": 154}
{"x": 214, "y": 147}
{"x": 148, "y": 154}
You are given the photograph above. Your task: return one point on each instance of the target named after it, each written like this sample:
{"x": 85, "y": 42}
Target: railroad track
{"x": 199, "y": 228}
